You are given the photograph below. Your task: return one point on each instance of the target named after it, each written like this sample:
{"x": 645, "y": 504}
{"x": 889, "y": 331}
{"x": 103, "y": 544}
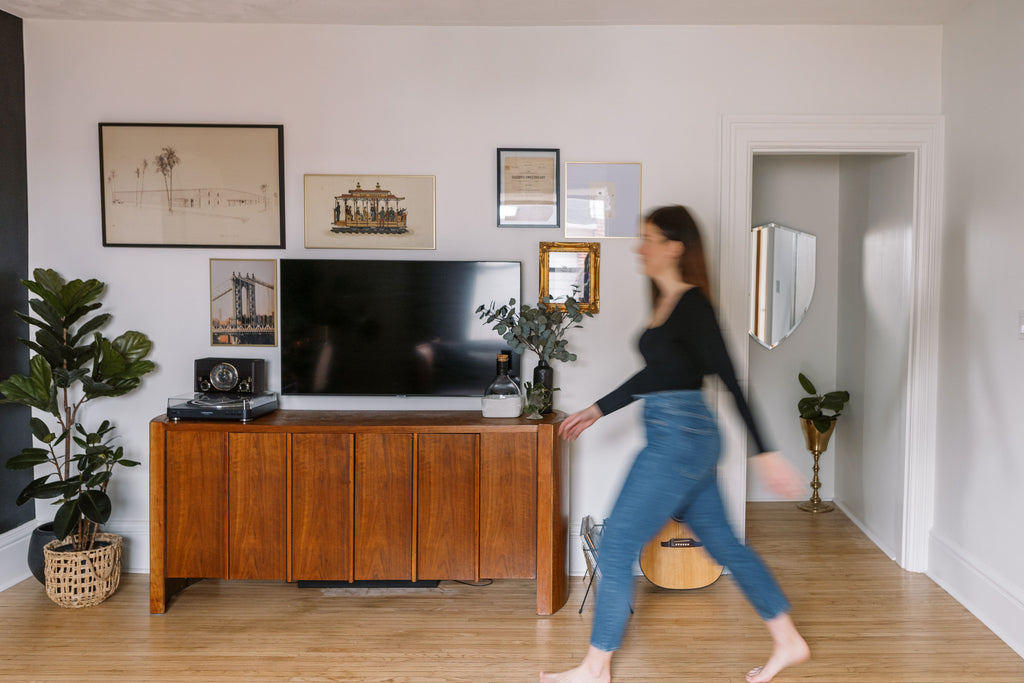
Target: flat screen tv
{"x": 391, "y": 328}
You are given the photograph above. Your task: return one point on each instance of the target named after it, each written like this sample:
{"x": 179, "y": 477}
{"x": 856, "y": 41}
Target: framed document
{"x": 602, "y": 199}
{"x": 192, "y": 185}
{"x": 528, "y": 188}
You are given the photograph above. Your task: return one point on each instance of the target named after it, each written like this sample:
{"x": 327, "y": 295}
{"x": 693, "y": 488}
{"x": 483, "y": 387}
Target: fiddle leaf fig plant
{"x": 539, "y": 328}
{"x": 813, "y": 407}
{"x": 73, "y": 364}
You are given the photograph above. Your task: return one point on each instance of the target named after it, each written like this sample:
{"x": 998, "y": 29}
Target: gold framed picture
{"x": 571, "y": 269}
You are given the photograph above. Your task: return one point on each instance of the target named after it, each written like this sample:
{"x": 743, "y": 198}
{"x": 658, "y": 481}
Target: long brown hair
{"x": 676, "y": 223}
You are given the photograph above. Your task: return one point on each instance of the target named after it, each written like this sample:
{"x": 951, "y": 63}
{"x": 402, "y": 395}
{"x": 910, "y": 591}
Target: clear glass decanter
{"x": 502, "y": 397}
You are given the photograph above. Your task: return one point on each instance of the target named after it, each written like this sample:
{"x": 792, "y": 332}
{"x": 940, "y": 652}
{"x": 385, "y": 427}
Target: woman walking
{"x": 675, "y": 475}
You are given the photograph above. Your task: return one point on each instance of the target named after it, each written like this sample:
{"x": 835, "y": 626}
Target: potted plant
{"x": 74, "y": 364}
{"x": 537, "y": 399}
{"x": 540, "y": 329}
{"x": 813, "y": 407}
{"x": 817, "y": 427}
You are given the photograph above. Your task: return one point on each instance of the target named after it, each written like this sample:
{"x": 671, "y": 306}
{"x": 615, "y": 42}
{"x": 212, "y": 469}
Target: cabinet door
{"x": 322, "y": 507}
{"x": 382, "y": 547}
{"x": 196, "y": 495}
{"x": 257, "y": 506}
{"x": 508, "y": 506}
{"x": 446, "y": 494}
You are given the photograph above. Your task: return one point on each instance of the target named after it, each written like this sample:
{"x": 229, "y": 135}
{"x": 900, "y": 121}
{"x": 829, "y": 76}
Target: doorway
{"x": 897, "y": 513}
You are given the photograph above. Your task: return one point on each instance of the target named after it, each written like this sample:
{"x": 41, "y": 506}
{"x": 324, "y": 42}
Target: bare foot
{"x": 596, "y": 667}
{"x": 789, "y": 648}
{"x": 577, "y": 675}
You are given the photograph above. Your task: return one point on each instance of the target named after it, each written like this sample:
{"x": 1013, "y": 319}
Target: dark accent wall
{"x": 14, "y": 428}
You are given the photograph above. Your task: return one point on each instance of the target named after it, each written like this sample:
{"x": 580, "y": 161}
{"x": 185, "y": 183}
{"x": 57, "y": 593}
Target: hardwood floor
{"x": 866, "y": 621}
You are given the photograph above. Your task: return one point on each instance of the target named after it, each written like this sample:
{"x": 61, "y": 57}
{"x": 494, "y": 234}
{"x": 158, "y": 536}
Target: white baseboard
{"x": 866, "y": 531}
{"x": 14, "y": 555}
{"x": 135, "y": 556}
{"x": 14, "y": 550}
{"x": 978, "y": 588}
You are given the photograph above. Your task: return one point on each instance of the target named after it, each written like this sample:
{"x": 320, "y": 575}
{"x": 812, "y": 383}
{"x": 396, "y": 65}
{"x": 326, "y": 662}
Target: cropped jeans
{"x": 675, "y": 475}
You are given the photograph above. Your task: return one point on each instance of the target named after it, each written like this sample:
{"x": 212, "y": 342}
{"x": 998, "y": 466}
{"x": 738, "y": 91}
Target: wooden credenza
{"x": 366, "y": 495}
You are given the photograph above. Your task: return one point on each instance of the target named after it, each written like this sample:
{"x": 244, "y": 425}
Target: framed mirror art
{"x": 782, "y": 284}
{"x": 571, "y": 269}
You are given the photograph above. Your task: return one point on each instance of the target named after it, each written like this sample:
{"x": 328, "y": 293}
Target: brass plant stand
{"x": 817, "y": 442}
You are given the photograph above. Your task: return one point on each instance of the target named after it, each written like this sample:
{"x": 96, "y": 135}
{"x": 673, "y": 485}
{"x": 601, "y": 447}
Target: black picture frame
{"x": 192, "y": 185}
{"x": 529, "y": 187}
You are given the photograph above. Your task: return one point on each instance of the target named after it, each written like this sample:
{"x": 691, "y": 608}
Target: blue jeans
{"x": 674, "y": 475}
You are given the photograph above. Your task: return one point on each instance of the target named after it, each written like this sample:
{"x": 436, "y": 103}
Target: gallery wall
{"x": 436, "y": 101}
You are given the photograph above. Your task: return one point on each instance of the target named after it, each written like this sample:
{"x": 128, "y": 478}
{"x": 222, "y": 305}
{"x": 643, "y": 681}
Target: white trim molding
{"x": 741, "y": 138}
{"x": 989, "y": 596}
{"x": 14, "y": 555}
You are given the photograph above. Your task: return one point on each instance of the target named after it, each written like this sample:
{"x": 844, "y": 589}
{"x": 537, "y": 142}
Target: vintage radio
{"x": 246, "y": 376}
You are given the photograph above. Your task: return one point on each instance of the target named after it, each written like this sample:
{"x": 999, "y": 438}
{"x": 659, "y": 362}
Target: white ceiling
{"x": 497, "y": 12}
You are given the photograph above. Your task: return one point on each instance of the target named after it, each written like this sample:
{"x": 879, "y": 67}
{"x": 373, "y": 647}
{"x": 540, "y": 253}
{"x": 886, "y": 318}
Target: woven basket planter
{"x": 83, "y": 578}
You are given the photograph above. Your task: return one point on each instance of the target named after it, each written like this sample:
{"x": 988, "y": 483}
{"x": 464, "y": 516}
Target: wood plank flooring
{"x": 866, "y": 620}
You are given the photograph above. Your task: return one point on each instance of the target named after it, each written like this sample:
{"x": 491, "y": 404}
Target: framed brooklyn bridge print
{"x": 243, "y": 302}
{"x": 192, "y": 185}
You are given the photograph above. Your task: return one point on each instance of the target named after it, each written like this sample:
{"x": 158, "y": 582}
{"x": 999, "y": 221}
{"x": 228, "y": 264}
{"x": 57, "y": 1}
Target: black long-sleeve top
{"x": 678, "y": 353}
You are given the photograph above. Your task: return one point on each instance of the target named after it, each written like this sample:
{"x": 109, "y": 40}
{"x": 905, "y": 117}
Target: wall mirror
{"x": 571, "y": 269}
{"x": 782, "y": 282}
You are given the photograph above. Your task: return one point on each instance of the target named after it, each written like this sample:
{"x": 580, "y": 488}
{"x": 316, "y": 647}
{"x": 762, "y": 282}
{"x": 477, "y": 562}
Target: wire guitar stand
{"x": 590, "y": 537}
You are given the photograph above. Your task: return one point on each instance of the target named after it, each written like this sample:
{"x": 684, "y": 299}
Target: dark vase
{"x": 544, "y": 376}
{"x": 41, "y": 535}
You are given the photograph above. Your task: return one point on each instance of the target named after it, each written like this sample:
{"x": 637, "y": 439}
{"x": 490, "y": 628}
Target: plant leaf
{"x": 95, "y": 505}
{"x": 35, "y": 390}
{"x": 822, "y": 425}
{"x": 28, "y": 458}
{"x": 66, "y": 519}
{"x": 806, "y": 384}
{"x": 41, "y": 430}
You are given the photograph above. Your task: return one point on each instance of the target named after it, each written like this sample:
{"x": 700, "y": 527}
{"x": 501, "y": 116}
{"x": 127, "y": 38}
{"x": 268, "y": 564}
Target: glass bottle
{"x": 502, "y": 397}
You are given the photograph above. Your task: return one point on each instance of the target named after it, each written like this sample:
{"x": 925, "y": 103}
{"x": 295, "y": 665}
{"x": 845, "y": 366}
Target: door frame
{"x": 741, "y": 137}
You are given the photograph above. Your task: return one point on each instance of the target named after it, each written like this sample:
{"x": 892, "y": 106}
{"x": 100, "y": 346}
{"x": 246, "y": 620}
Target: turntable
{"x": 220, "y": 406}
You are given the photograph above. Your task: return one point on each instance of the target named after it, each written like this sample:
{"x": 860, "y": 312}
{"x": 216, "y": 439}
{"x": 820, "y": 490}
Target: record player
{"x": 221, "y": 406}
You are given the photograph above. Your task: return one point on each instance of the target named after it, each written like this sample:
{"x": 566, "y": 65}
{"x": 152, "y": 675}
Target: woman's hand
{"x": 780, "y": 475}
{"x": 574, "y": 425}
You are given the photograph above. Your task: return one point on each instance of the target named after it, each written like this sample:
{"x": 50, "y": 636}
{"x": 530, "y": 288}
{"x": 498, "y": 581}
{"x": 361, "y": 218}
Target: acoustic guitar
{"x": 675, "y": 558}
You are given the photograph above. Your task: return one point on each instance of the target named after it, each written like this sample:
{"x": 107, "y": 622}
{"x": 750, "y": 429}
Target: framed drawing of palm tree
{"x": 192, "y": 185}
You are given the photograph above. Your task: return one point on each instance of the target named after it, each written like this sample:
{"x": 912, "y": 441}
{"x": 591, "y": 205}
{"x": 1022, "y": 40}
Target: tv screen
{"x": 391, "y": 328}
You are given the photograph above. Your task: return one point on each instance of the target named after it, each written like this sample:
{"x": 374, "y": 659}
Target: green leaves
{"x": 540, "y": 329}
{"x": 36, "y": 391}
{"x": 73, "y": 363}
{"x": 813, "y": 407}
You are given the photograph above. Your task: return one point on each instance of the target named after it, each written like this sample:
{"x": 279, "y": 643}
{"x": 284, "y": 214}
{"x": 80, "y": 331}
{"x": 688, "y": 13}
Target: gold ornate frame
{"x": 571, "y": 269}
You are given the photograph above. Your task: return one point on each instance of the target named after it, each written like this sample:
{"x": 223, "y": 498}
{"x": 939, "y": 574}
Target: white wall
{"x": 975, "y": 552}
{"x": 872, "y": 354}
{"x": 647, "y": 94}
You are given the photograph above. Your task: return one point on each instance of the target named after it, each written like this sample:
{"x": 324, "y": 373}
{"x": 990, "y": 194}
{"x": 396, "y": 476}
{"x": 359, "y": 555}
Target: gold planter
{"x": 817, "y": 443}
